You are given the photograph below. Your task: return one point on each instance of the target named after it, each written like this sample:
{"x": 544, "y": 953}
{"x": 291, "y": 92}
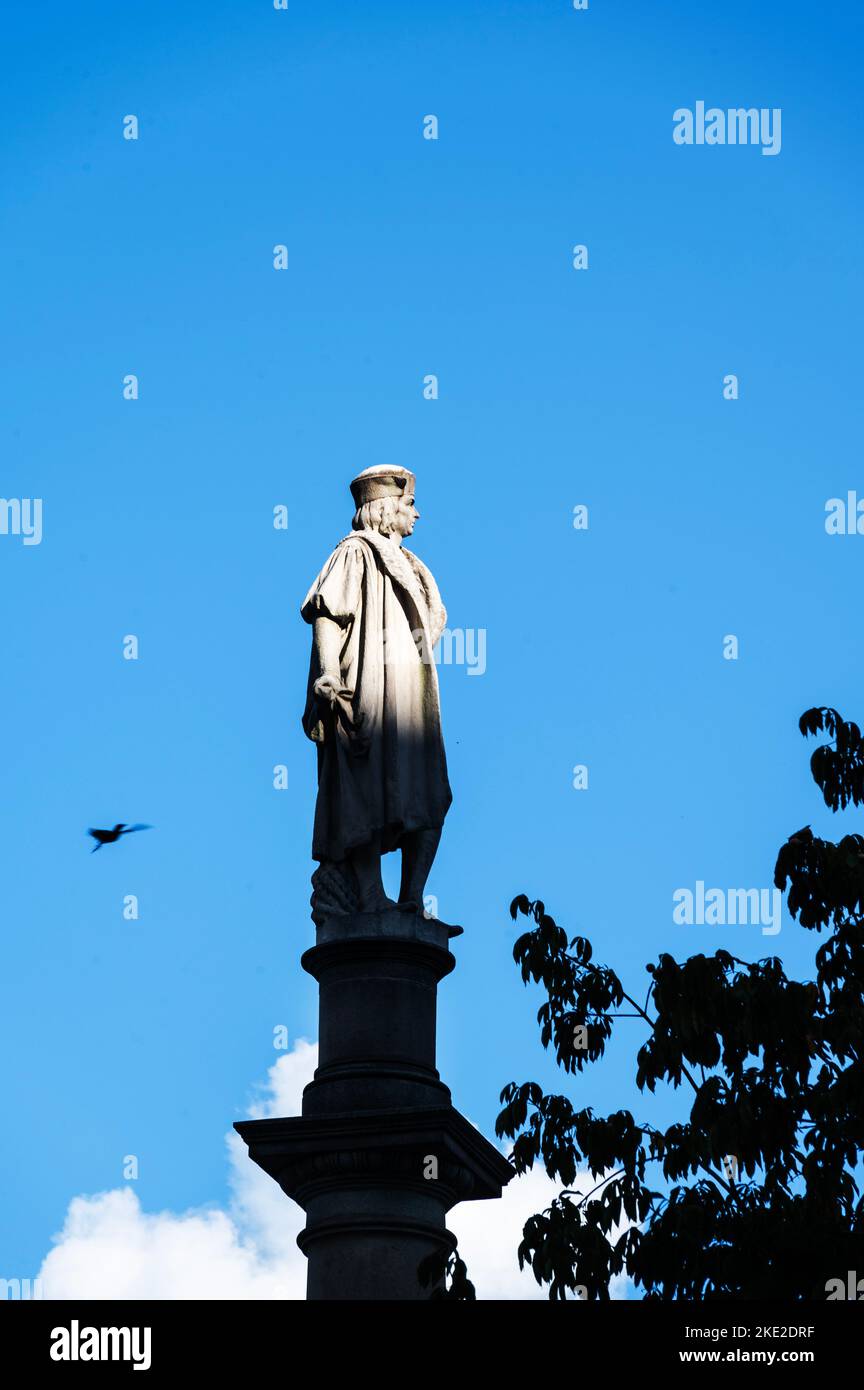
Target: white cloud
{"x": 110, "y": 1248}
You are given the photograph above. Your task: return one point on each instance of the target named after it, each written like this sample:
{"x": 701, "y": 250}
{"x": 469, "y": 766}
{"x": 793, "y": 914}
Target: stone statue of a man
{"x": 372, "y": 705}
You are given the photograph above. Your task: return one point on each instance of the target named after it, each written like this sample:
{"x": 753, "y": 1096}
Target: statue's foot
{"x": 376, "y": 902}
{"x": 410, "y": 905}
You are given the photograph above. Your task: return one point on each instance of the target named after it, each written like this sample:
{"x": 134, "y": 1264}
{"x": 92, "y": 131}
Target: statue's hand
{"x": 328, "y": 689}
{"x": 349, "y": 722}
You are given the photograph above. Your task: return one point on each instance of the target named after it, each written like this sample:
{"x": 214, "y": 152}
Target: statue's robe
{"x": 381, "y": 764}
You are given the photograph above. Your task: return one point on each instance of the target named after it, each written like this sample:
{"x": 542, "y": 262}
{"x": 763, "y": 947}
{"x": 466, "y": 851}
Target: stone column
{"x": 379, "y": 1154}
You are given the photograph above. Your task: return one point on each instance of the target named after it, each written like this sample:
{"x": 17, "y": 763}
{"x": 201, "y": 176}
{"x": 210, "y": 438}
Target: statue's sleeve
{"x": 337, "y": 591}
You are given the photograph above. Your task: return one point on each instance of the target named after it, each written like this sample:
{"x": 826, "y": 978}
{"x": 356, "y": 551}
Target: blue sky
{"x": 257, "y": 388}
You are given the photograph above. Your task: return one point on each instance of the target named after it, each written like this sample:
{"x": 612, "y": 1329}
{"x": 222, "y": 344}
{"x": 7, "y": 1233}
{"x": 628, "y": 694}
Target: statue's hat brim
{"x": 382, "y": 481}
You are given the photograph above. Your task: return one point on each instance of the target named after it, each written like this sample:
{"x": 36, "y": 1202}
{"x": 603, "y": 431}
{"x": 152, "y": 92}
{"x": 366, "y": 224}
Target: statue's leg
{"x": 418, "y": 852}
{"x": 366, "y": 862}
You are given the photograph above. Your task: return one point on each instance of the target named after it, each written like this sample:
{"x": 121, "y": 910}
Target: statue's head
{"x": 384, "y": 498}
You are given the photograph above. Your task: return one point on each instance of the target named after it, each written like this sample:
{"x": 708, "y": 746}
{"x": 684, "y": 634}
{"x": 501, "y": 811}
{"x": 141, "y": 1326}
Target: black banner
{"x": 161, "y": 1339}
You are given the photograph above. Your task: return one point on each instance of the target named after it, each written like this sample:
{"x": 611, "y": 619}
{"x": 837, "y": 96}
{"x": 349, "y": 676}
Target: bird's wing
{"x": 94, "y": 833}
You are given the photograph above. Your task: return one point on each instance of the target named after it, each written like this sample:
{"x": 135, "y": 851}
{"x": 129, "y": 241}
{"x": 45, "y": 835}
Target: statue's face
{"x": 406, "y": 516}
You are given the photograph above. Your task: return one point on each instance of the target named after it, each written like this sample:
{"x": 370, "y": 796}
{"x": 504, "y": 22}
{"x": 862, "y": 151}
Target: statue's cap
{"x": 382, "y": 481}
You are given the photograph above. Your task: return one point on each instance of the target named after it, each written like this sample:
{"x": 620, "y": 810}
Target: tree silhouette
{"x": 760, "y": 1198}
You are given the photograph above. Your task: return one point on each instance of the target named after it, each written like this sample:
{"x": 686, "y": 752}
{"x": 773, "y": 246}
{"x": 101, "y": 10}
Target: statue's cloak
{"x": 381, "y": 763}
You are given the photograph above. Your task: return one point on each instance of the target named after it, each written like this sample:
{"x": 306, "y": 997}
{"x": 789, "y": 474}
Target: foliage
{"x": 775, "y": 1075}
{"x": 449, "y": 1276}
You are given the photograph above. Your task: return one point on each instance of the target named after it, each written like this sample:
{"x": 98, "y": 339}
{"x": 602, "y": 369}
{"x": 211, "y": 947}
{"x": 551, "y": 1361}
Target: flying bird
{"x": 107, "y": 837}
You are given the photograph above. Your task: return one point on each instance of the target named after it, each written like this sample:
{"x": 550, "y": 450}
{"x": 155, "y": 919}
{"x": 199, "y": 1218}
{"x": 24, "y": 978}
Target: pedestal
{"x": 379, "y": 1154}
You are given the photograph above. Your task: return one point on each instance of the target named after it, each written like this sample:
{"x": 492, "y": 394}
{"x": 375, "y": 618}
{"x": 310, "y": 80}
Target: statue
{"x": 372, "y": 706}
